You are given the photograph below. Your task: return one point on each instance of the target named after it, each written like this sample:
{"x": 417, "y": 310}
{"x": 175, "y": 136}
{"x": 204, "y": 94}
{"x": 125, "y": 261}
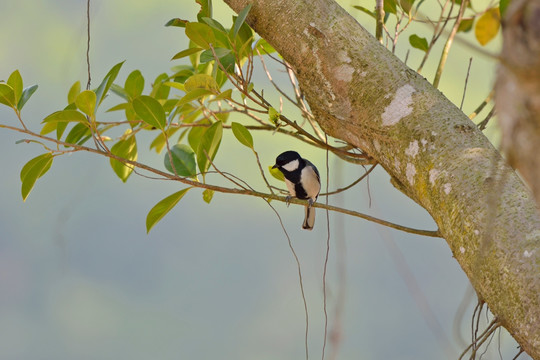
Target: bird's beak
{"x": 274, "y": 167}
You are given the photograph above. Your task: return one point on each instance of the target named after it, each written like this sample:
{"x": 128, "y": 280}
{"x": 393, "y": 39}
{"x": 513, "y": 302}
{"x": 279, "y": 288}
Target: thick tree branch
{"x": 518, "y": 90}
{"x": 360, "y": 93}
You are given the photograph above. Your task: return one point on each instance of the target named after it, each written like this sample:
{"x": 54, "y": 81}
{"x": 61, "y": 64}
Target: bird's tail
{"x": 309, "y": 220}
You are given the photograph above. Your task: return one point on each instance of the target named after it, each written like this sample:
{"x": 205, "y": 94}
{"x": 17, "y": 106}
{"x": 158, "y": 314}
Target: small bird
{"x": 302, "y": 180}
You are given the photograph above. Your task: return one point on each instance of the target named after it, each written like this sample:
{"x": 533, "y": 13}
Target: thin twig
{"x": 187, "y": 181}
{"x": 519, "y": 353}
{"x": 269, "y": 76}
{"x": 486, "y": 334}
{"x": 262, "y": 171}
{"x": 436, "y": 30}
{"x": 299, "y": 278}
{"x": 88, "y": 44}
{"x": 482, "y": 125}
{"x": 325, "y": 268}
{"x": 449, "y": 41}
{"x": 480, "y": 107}
{"x": 465, "y": 86}
{"x": 379, "y": 11}
{"x": 352, "y": 184}
{"x": 301, "y": 103}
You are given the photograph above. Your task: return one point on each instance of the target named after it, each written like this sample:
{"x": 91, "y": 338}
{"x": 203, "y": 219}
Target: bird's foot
{"x": 288, "y": 200}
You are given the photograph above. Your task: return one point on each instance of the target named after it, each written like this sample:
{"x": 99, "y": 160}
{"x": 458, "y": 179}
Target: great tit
{"x": 302, "y": 180}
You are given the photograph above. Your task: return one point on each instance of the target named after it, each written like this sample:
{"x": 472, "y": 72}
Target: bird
{"x": 303, "y": 182}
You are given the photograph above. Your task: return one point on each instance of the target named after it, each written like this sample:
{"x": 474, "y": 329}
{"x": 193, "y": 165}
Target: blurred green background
{"x": 81, "y": 279}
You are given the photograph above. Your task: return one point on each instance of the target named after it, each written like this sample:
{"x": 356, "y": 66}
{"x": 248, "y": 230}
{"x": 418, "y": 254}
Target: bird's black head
{"x": 285, "y": 158}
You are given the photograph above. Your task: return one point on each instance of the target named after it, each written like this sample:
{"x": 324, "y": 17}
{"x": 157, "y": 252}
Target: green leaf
{"x": 33, "y": 170}
{"x": 7, "y": 95}
{"x": 228, "y": 61}
{"x": 503, "y": 4}
{"x": 201, "y": 81}
{"x": 223, "y": 117}
{"x": 242, "y": 134}
{"x": 16, "y": 83}
{"x": 273, "y": 115}
{"x": 162, "y": 208}
{"x": 207, "y": 195}
{"x": 208, "y": 55}
{"x": 78, "y": 134}
{"x": 365, "y": 10}
{"x": 240, "y": 19}
{"x": 466, "y": 25}
{"x": 150, "y": 111}
{"x": 62, "y": 117}
{"x": 86, "y": 102}
{"x": 227, "y": 94}
{"x": 59, "y": 120}
{"x": 26, "y": 94}
{"x": 193, "y": 95}
{"x": 183, "y": 159}
{"x": 126, "y": 149}
{"x": 390, "y": 6}
{"x": 406, "y": 5}
{"x": 159, "y": 141}
{"x": 134, "y": 84}
{"x": 186, "y": 52}
{"x": 175, "y": 85}
{"x": 121, "y": 106}
{"x": 418, "y": 43}
{"x": 195, "y": 136}
{"x": 206, "y": 9}
{"x": 214, "y": 24}
{"x": 264, "y": 47}
{"x": 159, "y": 91}
{"x": 487, "y": 26}
{"x": 276, "y": 173}
{"x": 73, "y": 92}
{"x": 108, "y": 80}
{"x": 200, "y": 34}
{"x": 118, "y": 90}
{"x": 177, "y": 22}
{"x": 182, "y": 72}
{"x": 208, "y": 146}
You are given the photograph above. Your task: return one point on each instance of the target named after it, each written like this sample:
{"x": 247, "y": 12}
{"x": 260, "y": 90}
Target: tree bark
{"x": 518, "y": 90}
{"x": 361, "y": 93}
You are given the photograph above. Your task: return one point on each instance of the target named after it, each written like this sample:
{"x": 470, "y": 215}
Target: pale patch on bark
{"x": 410, "y": 171}
{"x": 474, "y": 153}
{"x": 377, "y": 145}
{"x": 413, "y": 149}
{"x": 433, "y": 175}
{"x": 344, "y": 73}
{"x": 400, "y": 106}
{"x": 447, "y": 188}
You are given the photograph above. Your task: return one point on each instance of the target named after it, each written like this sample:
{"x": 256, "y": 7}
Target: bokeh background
{"x": 81, "y": 279}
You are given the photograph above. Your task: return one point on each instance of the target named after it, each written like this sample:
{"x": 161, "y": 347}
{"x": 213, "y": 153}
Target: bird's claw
{"x": 288, "y": 200}
{"x": 310, "y": 202}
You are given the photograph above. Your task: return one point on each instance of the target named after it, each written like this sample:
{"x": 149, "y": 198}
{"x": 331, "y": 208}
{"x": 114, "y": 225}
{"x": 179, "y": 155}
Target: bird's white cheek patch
{"x": 291, "y": 166}
{"x": 400, "y": 106}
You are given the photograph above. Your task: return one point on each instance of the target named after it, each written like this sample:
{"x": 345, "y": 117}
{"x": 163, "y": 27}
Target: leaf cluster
{"x": 188, "y": 109}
